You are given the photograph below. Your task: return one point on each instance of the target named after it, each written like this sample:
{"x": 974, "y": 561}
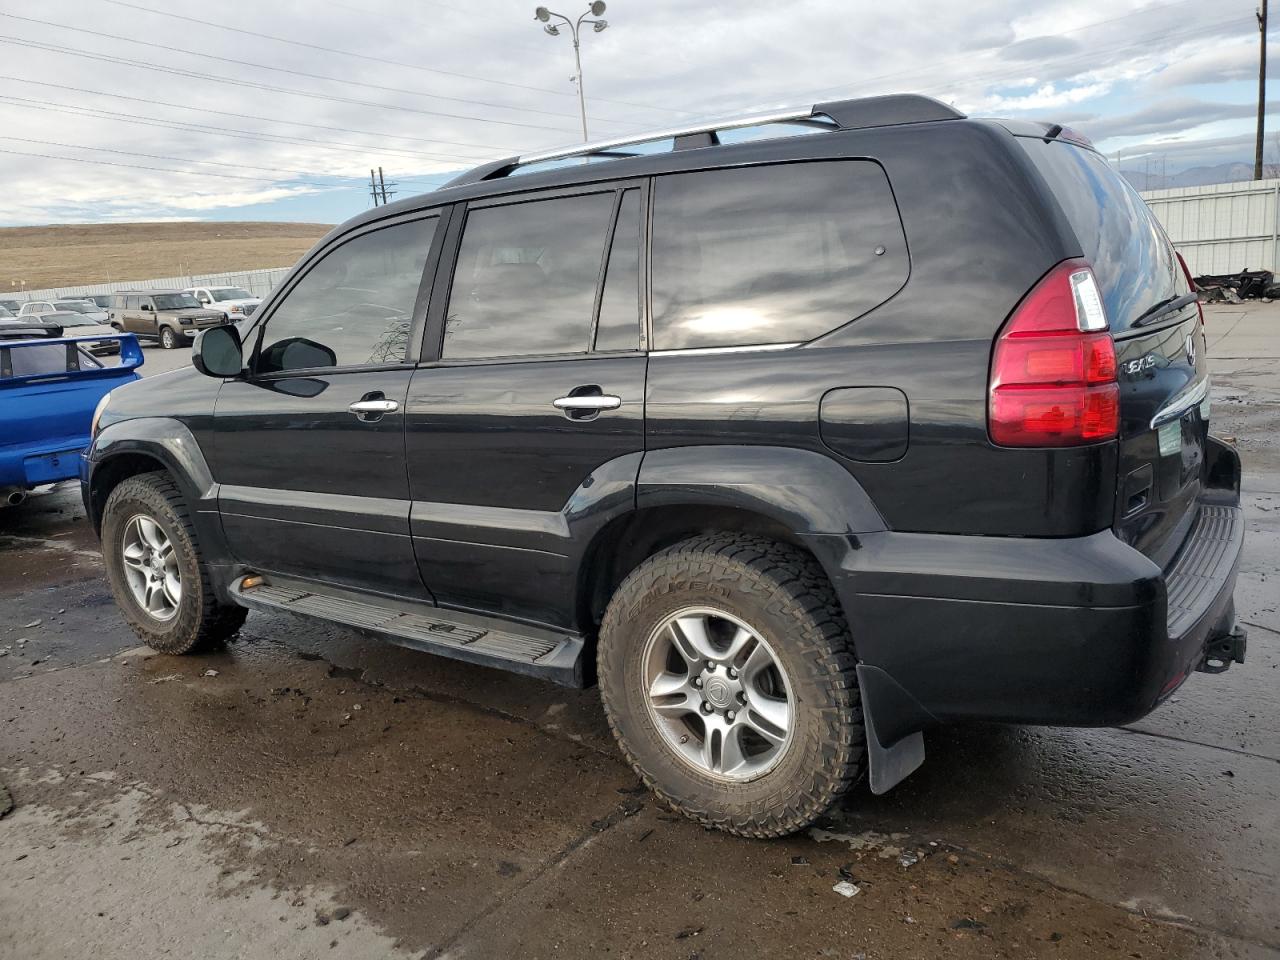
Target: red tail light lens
{"x": 1053, "y": 373}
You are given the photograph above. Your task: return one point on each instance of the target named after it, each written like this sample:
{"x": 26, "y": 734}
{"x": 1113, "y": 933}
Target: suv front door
{"x": 309, "y": 444}
{"x": 525, "y": 425}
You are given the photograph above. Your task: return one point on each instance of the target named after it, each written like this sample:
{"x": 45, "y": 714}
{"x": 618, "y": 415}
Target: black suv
{"x": 874, "y": 418}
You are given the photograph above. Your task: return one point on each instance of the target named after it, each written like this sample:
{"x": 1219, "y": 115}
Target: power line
{"x": 363, "y": 56}
{"x": 154, "y": 156}
{"x": 297, "y": 73}
{"x": 135, "y": 166}
{"x": 194, "y": 74}
{"x": 248, "y": 116}
{"x": 187, "y": 126}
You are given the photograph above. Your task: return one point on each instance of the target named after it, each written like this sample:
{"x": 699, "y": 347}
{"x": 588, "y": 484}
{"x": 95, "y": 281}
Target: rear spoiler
{"x": 130, "y": 359}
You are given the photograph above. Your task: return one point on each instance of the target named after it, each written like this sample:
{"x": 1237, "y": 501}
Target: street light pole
{"x": 575, "y": 28}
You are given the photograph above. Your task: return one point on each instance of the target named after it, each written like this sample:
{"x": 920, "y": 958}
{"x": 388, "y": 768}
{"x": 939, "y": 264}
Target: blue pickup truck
{"x": 50, "y": 387}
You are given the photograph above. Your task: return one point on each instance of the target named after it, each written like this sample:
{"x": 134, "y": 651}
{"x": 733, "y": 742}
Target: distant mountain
{"x": 1143, "y": 179}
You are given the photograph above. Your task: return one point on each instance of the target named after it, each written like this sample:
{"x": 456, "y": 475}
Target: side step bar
{"x": 549, "y": 654}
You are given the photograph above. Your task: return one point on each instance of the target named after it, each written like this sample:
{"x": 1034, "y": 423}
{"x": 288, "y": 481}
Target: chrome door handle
{"x": 374, "y": 406}
{"x": 588, "y": 402}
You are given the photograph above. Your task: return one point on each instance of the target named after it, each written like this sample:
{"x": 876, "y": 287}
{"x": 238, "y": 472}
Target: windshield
{"x": 71, "y": 320}
{"x": 13, "y": 306}
{"x": 176, "y": 301}
{"x": 4, "y": 313}
{"x": 230, "y": 293}
{"x": 74, "y": 306}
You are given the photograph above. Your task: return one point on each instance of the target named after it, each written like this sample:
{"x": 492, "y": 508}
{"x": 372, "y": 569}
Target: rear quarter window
{"x": 1132, "y": 258}
{"x": 780, "y": 253}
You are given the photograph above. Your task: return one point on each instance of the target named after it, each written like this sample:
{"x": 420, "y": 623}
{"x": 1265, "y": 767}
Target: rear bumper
{"x": 1076, "y": 632}
{"x": 35, "y": 464}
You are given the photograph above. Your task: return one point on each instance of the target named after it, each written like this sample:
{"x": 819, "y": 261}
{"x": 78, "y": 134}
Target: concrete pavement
{"x": 308, "y": 792}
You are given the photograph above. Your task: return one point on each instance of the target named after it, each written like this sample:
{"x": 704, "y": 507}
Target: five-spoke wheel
{"x": 717, "y": 693}
{"x": 151, "y": 567}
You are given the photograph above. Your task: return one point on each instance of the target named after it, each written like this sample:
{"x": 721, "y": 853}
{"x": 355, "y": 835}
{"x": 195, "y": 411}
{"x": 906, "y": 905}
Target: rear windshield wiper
{"x": 1164, "y": 308}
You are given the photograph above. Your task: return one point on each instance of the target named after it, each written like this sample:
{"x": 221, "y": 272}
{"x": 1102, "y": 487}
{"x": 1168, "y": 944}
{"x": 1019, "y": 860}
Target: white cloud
{"x": 1109, "y": 58}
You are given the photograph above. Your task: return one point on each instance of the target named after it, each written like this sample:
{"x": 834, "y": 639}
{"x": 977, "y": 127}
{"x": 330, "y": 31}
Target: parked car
{"x": 26, "y": 328}
{"x": 235, "y": 302}
{"x": 86, "y": 308}
{"x": 13, "y": 306}
{"x": 170, "y": 317}
{"x": 82, "y": 325}
{"x": 800, "y": 446}
{"x": 101, "y": 300}
{"x": 6, "y": 314}
{"x": 49, "y": 390}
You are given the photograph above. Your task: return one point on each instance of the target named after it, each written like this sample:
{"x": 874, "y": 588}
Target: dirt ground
{"x": 63, "y": 256}
{"x": 307, "y": 792}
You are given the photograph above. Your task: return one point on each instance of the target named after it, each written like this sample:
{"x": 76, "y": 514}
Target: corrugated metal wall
{"x": 1222, "y": 228}
{"x": 257, "y": 282}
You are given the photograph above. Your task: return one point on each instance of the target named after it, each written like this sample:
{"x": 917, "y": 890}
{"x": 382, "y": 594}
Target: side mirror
{"x": 146, "y": 306}
{"x": 297, "y": 353}
{"x": 218, "y": 352}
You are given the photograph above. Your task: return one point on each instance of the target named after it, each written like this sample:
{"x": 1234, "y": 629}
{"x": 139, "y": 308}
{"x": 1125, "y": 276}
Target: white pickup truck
{"x": 236, "y": 302}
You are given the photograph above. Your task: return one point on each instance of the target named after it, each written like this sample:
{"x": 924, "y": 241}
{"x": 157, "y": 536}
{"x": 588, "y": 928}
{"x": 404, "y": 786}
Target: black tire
{"x": 201, "y": 621}
{"x": 784, "y": 595}
{"x": 168, "y": 339}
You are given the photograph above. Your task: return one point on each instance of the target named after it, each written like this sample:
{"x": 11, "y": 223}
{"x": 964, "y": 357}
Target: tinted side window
{"x": 772, "y": 254}
{"x": 525, "y": 281}
{"x": 354, "y": 307}
{"x": 1120, "y": 236}
{"x": 619, "y": 325}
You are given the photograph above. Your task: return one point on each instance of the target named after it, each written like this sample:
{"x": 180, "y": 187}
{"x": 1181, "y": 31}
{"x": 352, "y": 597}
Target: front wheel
{"x": 168, "y": 339}
{"x": 728, "y": 679}
{"x": 157, "y": 576}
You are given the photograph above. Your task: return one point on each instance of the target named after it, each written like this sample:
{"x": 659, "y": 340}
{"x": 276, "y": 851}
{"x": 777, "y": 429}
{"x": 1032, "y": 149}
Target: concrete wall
{"x": 1222, "y": 228}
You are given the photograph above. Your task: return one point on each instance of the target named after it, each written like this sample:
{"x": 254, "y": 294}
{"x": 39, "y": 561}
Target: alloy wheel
{"x": 718, "y": 694}
{"x": 151, "y": 567}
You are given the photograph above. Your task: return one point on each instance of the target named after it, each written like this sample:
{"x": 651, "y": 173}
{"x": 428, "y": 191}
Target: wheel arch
{"x": 790, "y": 495}
{"x": 127, "y": 448}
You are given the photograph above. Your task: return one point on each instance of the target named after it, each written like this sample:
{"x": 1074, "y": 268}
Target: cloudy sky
{"x": 147, "y": 109}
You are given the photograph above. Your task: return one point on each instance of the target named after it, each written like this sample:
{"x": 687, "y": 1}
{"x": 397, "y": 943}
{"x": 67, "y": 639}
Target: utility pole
{"x": 1262, "y": 89}
{"x": 382, "y": 185}
{"x": 373, "y": 187}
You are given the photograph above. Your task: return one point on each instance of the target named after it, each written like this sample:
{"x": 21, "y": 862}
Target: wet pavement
{"x": 307, "y": 792}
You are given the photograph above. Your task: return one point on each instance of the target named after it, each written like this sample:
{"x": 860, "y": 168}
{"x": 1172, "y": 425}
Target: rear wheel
{"x": 168, "y": 339}
{"x": 159, "y": 581}
{"x": 728, "y": 680}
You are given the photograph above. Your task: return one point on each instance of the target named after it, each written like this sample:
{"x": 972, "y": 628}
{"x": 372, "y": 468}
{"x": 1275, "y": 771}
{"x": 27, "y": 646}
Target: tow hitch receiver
{"x": 1221, "y": 651}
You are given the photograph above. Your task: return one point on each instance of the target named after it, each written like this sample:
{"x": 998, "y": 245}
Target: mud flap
{"x": 893, "y": 718}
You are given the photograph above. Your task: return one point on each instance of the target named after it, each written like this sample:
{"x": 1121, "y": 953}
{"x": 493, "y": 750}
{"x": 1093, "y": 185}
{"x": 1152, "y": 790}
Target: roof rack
{"x": 833, "y": 115}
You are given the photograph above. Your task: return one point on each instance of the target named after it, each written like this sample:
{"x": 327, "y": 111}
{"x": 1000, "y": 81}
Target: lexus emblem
{"x": 1191, "y": 349}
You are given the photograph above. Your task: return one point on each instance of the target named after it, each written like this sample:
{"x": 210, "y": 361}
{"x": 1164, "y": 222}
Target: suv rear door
{"x": 309, "y": 444}
{"x": 1160, "y": 344}
{"x": 526, "y": 428}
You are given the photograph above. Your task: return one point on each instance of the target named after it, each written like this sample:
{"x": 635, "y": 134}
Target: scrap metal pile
{"x": 1235, "y": 287}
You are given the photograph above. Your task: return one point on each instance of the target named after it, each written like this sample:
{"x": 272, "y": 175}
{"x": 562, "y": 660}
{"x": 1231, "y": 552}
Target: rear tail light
{"x": 1053, "y": 372}
{"x": 1191, "y": 285}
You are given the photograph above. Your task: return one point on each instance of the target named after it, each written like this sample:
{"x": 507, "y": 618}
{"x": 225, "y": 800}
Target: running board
{"x": 549, "y": 654}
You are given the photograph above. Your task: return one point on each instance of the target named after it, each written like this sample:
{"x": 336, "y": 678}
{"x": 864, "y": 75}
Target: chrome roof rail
{"x": 833, "y": 115}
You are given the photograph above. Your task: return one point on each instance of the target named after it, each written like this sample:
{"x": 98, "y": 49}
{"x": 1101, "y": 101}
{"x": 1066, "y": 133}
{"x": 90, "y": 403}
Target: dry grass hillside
{"x": 63, "y": 256}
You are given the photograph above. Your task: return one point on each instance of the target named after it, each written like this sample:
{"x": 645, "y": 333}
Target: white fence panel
{"x": 257, "y": 282}
{"x": 1224, "y": 227}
